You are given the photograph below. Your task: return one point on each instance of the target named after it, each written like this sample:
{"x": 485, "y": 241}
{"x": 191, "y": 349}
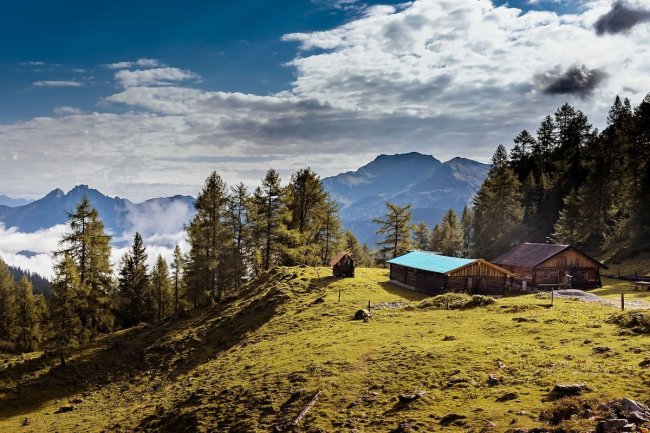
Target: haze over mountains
{"x": 29, "y": 232}
{"x": 429, "y": 185}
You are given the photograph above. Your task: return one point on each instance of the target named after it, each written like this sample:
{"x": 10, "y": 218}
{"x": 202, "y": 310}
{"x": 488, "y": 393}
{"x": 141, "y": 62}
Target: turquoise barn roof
{"x": 429, "y": 261}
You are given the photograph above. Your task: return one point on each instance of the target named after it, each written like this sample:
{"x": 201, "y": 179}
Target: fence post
{"x": 339, "y": 294}
{"x": 552, "y": 295}
{"x": 622, "y": 301}
{"x": 368, "y": 305}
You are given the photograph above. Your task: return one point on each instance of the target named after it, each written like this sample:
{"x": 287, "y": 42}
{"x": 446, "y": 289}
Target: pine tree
{"x": 466, "y": 230}
{"x": 27, "y": 320}
{"x": 546, "y": 143}
{"x": 7, "y": 304}
{"x": 356, "y": 251}
{"x": 211, "y": 264}
{"x": 435, "y": 239}
{"x": 452, "y": 236}
{"x": 88, "y": 245}
{"x": 67, "y": 295}
{"x": 135, "y": 295}
{"x": 162, "y": 288}
{"x": 396, "y": 229}
{"x": 420, "y": 236}
{"x": 570, "y": 226}
{"x": 178, "y": 266}
{"x": 497, "y": 209}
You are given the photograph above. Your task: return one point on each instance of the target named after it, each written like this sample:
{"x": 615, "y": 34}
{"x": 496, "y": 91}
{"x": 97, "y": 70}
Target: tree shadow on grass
{"x": 402, "y": 292}
{"x": 207, "y": 332}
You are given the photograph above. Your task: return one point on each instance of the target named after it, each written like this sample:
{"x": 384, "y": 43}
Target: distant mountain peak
{"x": 55, "y": 193}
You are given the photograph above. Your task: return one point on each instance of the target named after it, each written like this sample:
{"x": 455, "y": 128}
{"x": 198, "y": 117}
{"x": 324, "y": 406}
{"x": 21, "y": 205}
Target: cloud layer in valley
{"x": 446, "y": 77}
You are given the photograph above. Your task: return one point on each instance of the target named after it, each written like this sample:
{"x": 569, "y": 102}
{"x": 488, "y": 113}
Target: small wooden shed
{"x": 551, "y": 265}
{"x": 342, "y": 265}
{"x": 434, "y": 273}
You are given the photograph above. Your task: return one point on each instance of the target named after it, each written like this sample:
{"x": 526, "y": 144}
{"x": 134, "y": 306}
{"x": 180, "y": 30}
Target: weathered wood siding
{"x": 478, "y": 285}
{"x": 424, "y": 281}
{"x": 584, "y": 271}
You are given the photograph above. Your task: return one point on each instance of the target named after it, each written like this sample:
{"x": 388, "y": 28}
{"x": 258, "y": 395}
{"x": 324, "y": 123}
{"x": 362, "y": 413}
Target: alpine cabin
{"x": 433, "y": 273}
{"x": 342, "y": 265}
{"x": 551, "y": 265}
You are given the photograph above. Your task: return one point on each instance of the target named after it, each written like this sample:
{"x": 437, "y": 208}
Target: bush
{"x": 637, "y": 321}
{"x": 455, "y": 301}
{"x": 568, "y": 408}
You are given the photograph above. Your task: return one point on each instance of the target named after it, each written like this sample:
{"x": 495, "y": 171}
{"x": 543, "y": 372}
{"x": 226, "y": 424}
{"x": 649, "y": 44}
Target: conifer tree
{"x": 27, "y": 320}
{"x": 421, "y": 236}
{"x": 211, "y": 264}
{"x": 356, "y": 251}
{"x": 570, "y": 227}
{"x": 329, "y": 230}
{"x": 396, "y": 229}
{"x": 238, "y": 216}
{"x": 497, "y": 209}
{"x": 67, "y": 295}
{"x": 88, "y": 245}
{"x": 466, "y": 230}
{"x": 135, "y": 294}
{"x": 7, "y": 304}
{"x": 162, "y": 288}
{"x": 435, "y": 239}
{"x": 268, "y": 216}
{"x": 452, "y": 235}
{"x": 178, "y": 265}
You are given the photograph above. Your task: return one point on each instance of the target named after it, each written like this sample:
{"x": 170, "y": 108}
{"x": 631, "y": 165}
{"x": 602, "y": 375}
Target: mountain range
{"x": 8, "y": 201}
{"x": 429, "y": 185}
{"x": 119, "y": 215}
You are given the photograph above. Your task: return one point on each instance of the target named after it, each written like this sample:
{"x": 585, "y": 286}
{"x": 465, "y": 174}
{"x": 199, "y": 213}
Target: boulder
{"x": 611, "y": 425}
{"x": 569, "y": 390}
{"x": 64, "y": 409}
{"x": 409, "y": 397}
{"x": 453, "y": 419}
{"x": 630, "y": 405}
{"x": 507, "y": 397}
{"x": 362, "y": 315}
{"x": 494, "y": 380}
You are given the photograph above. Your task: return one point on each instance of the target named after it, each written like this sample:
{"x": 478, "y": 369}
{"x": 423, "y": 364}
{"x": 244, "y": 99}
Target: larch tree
{"x": 329, "y": 230}
{"x": 162, "y": 288}
{"x": 88, "y": 245}
{"x": 67, "y": 295}
{"x": 7, "y": 304}
{"x": 435, "y": 239}
{"x": 237, "y": 209}
{"x": 211, "y": 264}
{"x": 396, "y": 230}
{"x": 421, "y": 236}
{"x": 268, "y": 216}
{"x": 178, "y": 266}
{"x": 452, "y": 235}
{"x": 27, "y": 317}
{"x": 570, "y": 226}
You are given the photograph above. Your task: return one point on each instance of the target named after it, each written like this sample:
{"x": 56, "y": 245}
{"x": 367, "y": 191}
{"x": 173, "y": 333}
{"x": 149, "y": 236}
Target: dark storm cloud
{"x": 577, "y": 80}
{"x": 620, "y": 19}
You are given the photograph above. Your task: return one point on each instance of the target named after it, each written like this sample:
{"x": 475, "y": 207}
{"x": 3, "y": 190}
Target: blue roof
{"x": 429, "y": 261}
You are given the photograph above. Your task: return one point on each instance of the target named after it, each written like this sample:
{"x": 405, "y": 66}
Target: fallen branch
{"x": 306, "y": 409}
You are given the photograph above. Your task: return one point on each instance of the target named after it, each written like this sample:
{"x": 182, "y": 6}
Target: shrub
{"x": 455, "y": 301}
{"x": 568, "y": 408}
{"x": 637, "y": 321}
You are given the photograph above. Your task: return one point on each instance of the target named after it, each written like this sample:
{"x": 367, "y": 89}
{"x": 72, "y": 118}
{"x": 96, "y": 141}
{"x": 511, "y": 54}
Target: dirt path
{"x": 590, "y": 297}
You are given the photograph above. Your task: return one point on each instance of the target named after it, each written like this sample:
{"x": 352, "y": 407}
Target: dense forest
{"x": 566, "y": 183}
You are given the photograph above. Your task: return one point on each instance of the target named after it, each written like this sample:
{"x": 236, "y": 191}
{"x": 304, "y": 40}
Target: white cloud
{"x": 141, "y": 63}
{"x": 66, "y": 111}
{"x": 58, "y": 83}
{"x": 154, "y": 77}
{"x": 32, "y": 63}
{"x": 438, "y": 76}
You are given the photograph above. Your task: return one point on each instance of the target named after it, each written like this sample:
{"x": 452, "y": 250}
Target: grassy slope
{"x": 233, "y": 367}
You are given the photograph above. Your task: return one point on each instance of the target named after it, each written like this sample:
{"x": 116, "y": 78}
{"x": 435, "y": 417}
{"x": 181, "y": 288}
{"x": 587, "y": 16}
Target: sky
{"x": 145, "y": 99}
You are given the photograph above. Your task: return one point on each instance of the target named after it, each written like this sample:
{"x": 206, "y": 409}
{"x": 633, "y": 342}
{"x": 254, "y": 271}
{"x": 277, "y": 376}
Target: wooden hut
{"x": 342, "y": 265}
{"x": 433, "y": 273}
{"x": 551, "y": 265}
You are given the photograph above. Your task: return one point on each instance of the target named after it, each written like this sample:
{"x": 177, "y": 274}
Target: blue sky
{"x": 145, "y": 98}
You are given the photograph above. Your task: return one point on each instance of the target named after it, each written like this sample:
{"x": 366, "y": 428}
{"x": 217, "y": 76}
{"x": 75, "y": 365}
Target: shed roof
{"x": 339, "y": 257}
{"x": 529, "y": 255}
{"x": 429, "y": 261}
